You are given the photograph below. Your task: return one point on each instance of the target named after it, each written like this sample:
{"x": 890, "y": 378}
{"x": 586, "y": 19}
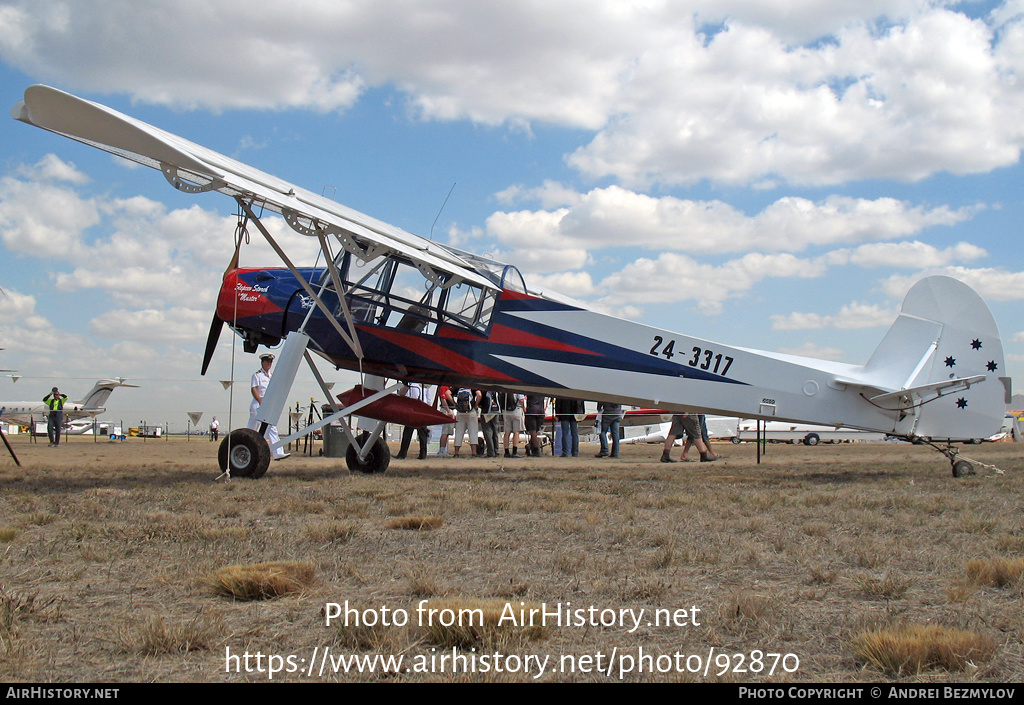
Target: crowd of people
{"x": 479, "y": 414}
{"x": 509, "y": 416}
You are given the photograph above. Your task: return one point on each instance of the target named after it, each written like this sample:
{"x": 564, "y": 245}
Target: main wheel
{"x": 377, "y": 459}
{"x": 811, "y": 439}
{"x": 247, "y": 452}
{"x": 961, "y": 468}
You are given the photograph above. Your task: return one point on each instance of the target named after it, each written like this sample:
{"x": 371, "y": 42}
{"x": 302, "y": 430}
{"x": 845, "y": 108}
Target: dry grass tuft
{"x": 465, "y": 623}
{"x": 890, "y": 586}
{"x": 748, "y": 609}
{"x": 997, "y": 572}
{"x": 8, "y": 534}
{"x": 261, "y": 581}
{"x": 330, "y": 532}
{"x": 154, "y": 636}
{"x": 910, "y": 649}
{"x": 422, "y": 581}
{"x": 416, "y": 523}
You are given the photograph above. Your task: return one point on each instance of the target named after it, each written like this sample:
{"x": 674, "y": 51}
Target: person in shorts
{"x": 688, "y": 424}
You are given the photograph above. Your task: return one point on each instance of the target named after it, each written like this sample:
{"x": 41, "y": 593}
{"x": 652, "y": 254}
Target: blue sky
{"x": 773, "y": 175}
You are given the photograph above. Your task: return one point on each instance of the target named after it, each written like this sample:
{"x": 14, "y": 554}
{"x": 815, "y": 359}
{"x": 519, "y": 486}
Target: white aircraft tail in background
{"x": 90, "y": 405}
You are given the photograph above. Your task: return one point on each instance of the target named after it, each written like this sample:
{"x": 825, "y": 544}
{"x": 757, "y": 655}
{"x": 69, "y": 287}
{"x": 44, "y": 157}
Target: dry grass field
{"x": 128, "y": 562}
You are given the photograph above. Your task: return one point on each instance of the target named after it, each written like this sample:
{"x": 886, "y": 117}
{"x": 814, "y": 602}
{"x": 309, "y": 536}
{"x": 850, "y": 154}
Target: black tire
{"x": 736, "y": 440}
{"x": 248, "y": 452}
{"x": 812, "y": 439}
{"x": 377, "y": 458}
{"x": 962, "y": 468}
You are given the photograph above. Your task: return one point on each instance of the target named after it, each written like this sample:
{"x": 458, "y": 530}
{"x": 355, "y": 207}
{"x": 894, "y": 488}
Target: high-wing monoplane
{"x": 393, "y": 305}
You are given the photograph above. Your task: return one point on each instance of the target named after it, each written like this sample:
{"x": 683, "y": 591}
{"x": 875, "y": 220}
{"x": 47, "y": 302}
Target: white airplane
{"x": 738, "y": 430}
{"x": 22, "y": 412}
{"x": 390, "y": 304}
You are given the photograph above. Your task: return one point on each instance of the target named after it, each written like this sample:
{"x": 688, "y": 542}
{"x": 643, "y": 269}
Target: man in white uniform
{"x": 260, "y": 380}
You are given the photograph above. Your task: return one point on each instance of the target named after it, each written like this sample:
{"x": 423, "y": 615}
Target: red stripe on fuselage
{"x": 506, "y": 335}
{"x": 459, "y": 364}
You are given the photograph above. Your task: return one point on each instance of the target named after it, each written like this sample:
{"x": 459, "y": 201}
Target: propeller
{"x": 217, "y": 324}
{"x": 211, "y": 341}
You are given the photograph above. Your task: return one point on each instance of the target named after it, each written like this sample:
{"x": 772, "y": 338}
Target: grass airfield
{"x": 853, "y": 563}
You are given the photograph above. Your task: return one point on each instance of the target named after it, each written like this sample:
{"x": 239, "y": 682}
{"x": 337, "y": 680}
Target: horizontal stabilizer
{"x": 907, "y": 398}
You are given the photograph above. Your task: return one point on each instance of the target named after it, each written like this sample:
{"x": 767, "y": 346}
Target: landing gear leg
{"x": 960, "y": 468}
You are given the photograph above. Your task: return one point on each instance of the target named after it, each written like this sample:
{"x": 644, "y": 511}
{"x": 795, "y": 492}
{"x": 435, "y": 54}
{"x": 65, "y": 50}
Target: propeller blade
{"x": 211, "y": 341}
{"x": 217, "y": 324}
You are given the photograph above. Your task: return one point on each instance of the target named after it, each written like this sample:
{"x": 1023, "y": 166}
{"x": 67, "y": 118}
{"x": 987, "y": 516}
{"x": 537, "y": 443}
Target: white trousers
{"x": 270, "y": 435}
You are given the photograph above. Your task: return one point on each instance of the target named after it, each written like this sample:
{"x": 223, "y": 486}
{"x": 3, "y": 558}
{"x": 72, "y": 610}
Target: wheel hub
{"x": 240, "y": 456}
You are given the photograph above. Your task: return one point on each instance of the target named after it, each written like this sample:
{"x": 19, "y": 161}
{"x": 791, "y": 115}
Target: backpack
{"x": 488, "y": 404}
{"x": 464, "y": 400}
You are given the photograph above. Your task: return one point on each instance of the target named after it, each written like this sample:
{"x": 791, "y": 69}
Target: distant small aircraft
{"x": 390, "y": 304}
{"x": 22, "y": 412}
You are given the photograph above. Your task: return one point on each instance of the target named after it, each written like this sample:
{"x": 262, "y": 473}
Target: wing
{"x": 194, "y": 169}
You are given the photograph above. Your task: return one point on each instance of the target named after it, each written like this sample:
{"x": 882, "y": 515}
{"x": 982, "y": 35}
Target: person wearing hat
{"x": 260, "y": 380}
{"x": 55, "y": 418}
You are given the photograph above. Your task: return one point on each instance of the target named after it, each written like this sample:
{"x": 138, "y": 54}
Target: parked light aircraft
{"x": 90, "y": 405}
{"x": 738, "y": 430}
{"x": 394, "y": 305}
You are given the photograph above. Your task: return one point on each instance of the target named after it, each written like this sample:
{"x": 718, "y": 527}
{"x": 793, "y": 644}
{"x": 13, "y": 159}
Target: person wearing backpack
{"x": 513, "y": 409}
{"x": 467, "y": 404}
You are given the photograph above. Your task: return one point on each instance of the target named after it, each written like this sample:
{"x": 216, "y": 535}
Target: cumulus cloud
{"x": 800, "y": 92}
{"x": 613, "y": 217}
{"x": 43, "y": 219}
{"x": 173, "y": 325}
{"x": 923, "y": 95}
{"x": 912, "y": 255}
{"x": 851, "y": 316}
{"x": 673, "y": 278}
{"x": 991, "y": 283}
{"x": 815, "y": 351}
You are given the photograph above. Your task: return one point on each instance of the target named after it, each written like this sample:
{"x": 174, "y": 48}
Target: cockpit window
{"x": 392, "y": 292}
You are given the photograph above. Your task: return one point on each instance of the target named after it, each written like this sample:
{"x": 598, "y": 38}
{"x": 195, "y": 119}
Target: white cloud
{"x": 737, "y": 92}
{"x": 53, "y": 168}
{"x": 851, "y": 316}
{"x": 41, "y": 219}
{"x": 175, "y": 325}
{"x": 673, "y": 277}
{"x": 922, "y": 96}
{"x": 616, "y": 217}
{"x": 15, "y": 306}
{"x": 992, "y": 284}
{"x": 816, "y": 352}
{"x": 912, "y": 255}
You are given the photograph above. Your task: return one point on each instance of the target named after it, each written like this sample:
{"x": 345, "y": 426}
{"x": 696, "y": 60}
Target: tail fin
{"x": 98, "y": 395}
{"x": 940, "y": 365}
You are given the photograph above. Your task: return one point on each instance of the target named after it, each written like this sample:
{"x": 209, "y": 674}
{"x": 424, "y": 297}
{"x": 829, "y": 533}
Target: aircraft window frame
{"x": 513, "y": 283}
{"x": 374, "y": 299}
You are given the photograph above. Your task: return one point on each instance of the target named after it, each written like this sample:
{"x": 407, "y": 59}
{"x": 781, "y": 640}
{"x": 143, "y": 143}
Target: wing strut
{"x": 351, "y": 340}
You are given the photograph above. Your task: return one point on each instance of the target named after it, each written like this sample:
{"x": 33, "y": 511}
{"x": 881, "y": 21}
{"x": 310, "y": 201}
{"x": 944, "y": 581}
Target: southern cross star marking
{"x": 992, "y": 366}
{"x": 976, "y": 344}
{"x": 950, "y": 361}
{"x": 961, "y": 403}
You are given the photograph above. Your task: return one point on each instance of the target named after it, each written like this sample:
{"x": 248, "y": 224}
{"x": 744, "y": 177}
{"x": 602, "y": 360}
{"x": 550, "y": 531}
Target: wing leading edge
{"x": 192, "y": 168}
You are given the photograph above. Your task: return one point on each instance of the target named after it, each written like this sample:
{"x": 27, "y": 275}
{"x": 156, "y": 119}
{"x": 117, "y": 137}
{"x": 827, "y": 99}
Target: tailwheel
{"x": 376, "y": 459}
{"x": 247, "y": 453}
{"x": 962, "y": 468}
